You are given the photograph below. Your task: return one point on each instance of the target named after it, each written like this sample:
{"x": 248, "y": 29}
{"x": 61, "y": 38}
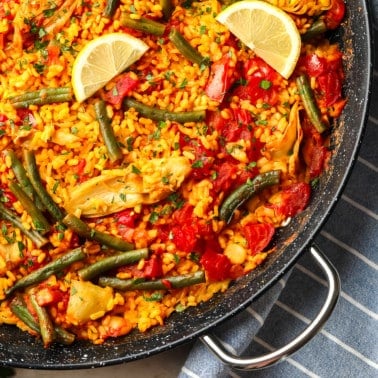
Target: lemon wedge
{"x": 101, "y": 60}
{"x": 267, "y": 30}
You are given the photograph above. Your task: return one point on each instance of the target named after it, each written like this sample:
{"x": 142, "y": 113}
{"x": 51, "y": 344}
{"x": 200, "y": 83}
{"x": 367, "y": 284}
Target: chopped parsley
{"x": 135, "y": 170}
{"x": 198, "y": 164}
{"x": 154, "y": 216}
{"x": 155, "y": 297}
{"x": 265, "y": 84}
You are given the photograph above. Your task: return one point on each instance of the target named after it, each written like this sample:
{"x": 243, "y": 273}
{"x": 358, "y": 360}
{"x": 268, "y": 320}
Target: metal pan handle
{"x": 250, "y": 363}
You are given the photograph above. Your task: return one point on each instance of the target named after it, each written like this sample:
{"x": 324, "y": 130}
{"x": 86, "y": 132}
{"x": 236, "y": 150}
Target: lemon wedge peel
{"x": 101, "y": 60}
{"x": 267, "y": 30}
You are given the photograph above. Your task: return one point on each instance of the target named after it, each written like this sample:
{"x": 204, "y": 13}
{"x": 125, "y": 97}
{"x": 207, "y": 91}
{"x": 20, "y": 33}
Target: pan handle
{"x": 251, "y": 363}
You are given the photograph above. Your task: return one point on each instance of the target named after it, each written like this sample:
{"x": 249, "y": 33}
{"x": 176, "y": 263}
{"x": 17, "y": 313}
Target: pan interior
{"x": 17, "y": 349}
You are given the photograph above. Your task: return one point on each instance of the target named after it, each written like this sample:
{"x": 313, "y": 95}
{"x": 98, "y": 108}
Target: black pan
{"x": 17, "y": 349}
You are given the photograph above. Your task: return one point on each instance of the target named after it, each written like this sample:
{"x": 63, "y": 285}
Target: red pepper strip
{"x": 220, "y": 80}
{"x": 153, "y": 268}
{"x": 258, "y": 236}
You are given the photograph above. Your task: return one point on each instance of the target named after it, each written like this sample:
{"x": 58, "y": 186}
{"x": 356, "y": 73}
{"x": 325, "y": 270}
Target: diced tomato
{"x": 315, "y": 65}
{"x": 153, "y": 268}
{"x": 126, "y": 221}
{"x": 53, "y": 52}
{"x": 127, "y": 217}
{"x": 314, "y": 152}
{"x": 330, "y": 85}
{"x": 126, "y": 233}
{"x": 215, "y": 121}
{"x": 203, "y": 160}
{"x": 166, "y": 283}
{"x": 258, "y": 236}
{"x": 187, "y": 230}
{"x": 221, "y": 78}
{"x": 3, "y": 118}
{"x": 8, "y": 198}
{"x": 30, "y": 262}
{"x": 185, "y": 237}
{"x": 184, "y": 214}
{"x": 217, "y": 265}
{"x": 335, "y": 14}
{"x": 329, "y": 75}
{"x": 242, "y": 116}
{"x": 80, "y": 171}
{"x": 74, "y": 241}
{"x": 295, "y": 199}
{"x": 224, "y": 179}
{"x": 4, "y": 14}
{"x": 81, "y": 166}
{"x": 27, "y": 118}
{"x": 260, "y": 82}
{"x": 48, "y": 295}
{"x": 125, "y": 83}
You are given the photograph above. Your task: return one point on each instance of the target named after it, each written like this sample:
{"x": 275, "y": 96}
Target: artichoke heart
{"x": 285, "y": 148}
{"x": 88, "y": 301}
{"x": 142, "y": 182}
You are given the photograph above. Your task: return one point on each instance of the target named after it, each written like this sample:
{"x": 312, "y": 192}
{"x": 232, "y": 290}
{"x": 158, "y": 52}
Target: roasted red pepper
{"x": 335, "y": 14}
{"x": 294, "y": 199}
{"x": 258, "y": 236}
{"x": 221, "y": 78}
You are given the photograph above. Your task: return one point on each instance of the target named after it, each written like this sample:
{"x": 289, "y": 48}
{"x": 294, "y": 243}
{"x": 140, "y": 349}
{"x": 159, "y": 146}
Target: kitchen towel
{"x": 348, "y": 344}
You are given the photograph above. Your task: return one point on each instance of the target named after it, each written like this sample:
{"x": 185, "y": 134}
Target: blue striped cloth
{"x": 348, "y": 344}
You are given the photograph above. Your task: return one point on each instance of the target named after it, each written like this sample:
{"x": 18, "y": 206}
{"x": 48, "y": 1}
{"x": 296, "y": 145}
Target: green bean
{"x": 143, "y": 24}
{"x": 45, "y": 324}
{"x": 48, "y": 270}
{"x": 174, "y": 282}
{"x": 187, "y": 49}
{"x": 245, "y": 191}
{"x": 42, "y": 97}
{"x": 309, "y": 103}
{"x": 22, "y": 178}
{"x": 317, "y": 28}
{"x": 32, "y": 170}
{"x": 163, "y": 115}
{"x": 40, "y": 223}
{"x": 19, "y": 308}
{"x": 83, "y": 230}
{"x": 107, "y": 132}
{"x": 110, "y": 8}
{"x": 63, "y": 336}
{"x": 32, "y": 234}
{"x": 167, "y": 8}
{"x": 112, "y": 262}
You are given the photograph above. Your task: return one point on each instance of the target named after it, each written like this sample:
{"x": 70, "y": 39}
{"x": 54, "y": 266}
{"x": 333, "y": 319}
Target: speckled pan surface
{"x": 19, "y": 350}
